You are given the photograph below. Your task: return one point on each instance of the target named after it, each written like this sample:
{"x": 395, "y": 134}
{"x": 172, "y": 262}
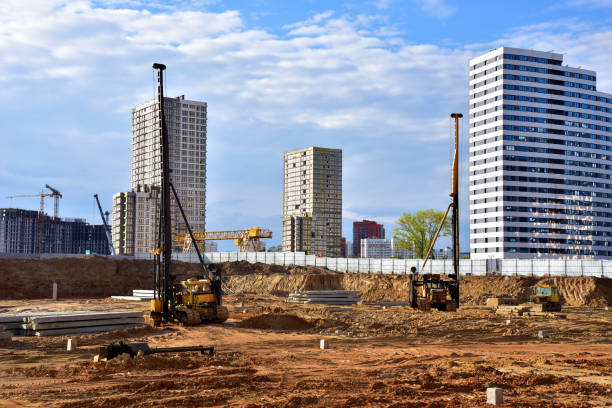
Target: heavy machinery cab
{"x": 545, "y": 294}
{"x": 430, "y": 290}
{"x": 197, "y": 292}
{"x": 547, "y": 298}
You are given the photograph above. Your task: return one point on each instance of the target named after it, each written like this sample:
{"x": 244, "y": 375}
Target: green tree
{"x": 416, "y": 231}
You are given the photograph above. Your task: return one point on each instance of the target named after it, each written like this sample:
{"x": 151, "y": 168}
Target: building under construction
{"x": 135, "y": 213}
{"x": 20, "y": 233}
{"x": 312, "y": 201}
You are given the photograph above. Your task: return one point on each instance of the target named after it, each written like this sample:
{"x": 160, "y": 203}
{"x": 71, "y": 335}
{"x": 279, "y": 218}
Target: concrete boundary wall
{"x": 519, "y": 267}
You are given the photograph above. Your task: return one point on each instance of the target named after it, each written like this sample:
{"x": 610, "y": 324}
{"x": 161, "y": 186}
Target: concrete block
{"x": 495, "y": 396}
{"x": 508, "y": 322}
{"x": 542, "y": 334}
{"x": 81, "y": 323}
{"x": 71, "y": 344}
{"x": 74, "y": 316}
{"x": 322, "y": 344}
{"x": 79, "y": 330}
{"x": 54, "y": 291}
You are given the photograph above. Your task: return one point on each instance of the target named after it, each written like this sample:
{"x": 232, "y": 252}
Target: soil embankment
{"x": 102, "y": 277}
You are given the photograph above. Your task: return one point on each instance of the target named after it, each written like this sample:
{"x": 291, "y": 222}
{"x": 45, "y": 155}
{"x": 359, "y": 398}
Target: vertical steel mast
{"x": 164, "y": 245}
{"x": 455, "y": 202}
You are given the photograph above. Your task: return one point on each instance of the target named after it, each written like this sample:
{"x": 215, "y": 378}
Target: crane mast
{"x": 107, "y": 229}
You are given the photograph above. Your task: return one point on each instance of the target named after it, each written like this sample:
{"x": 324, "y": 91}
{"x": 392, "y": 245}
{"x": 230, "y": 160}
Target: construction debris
{"x": 325, "y": 297}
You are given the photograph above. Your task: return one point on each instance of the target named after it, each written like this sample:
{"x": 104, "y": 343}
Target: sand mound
{"x": 246, "y": 268}
{"x": 277, "y": 322}
{"x": 97, "y": 276}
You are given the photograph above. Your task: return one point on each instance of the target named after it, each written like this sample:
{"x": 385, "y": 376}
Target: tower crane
{"x": 41, "y": 217}
{"x": 56, "y": 195}
{"x": 245, "y": 240}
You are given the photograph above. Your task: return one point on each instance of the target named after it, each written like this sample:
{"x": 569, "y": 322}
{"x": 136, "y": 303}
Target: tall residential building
{"x": 539, "y": 171}
{"x": 312, "y": 201}
{"x": 365, "y": 229}
{"x": 186, "y": 124}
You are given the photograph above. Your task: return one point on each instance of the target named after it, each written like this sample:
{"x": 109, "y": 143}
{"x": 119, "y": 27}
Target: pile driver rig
{"x": 195, "y": 300}
{"x": 430, "y": 290}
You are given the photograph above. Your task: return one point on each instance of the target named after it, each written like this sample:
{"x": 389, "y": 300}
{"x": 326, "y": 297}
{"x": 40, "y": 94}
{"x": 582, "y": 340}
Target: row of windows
{"x": 567, "y": 172}
{"x": 542, "y": 220}
{"x": 582, "y": 115}
{"x": 545, "y": 150}
{"x": 532, "y": 59}
{"x": 559, "y": 231}
{"x": 570, "y": 94}
{"x": 533, "y": 99}
{"x": 528, "y": 68}
{"x": 535, "y": 119}
{"x": 566, "y": 182}
{"x": 549, "y": 71}
{"x": 557, "y": 142}
{"x": 558, "y": 251}
{"x": 539, "y": 80}
{"x": 543, "y": 210}
{"x": 546, "y": 190}
{"x": 552, "y": 131}
{"x": 562, "y": 221}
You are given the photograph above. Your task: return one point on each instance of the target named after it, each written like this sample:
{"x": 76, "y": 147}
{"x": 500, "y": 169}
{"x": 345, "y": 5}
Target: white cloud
{"x": 436, "y": 8}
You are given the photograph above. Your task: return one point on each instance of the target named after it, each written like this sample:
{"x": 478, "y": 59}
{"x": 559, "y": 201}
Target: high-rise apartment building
{"x": 312, "y": 201}
{"x": 365, "y": 229}
{"x": 539, "y": 168}
{"x": 186, "y": 124}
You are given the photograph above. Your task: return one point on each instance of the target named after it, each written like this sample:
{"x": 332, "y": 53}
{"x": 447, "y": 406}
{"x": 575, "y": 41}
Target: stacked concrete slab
{"x": 60, "y": 323}
{"x": 137, "y": 295}
{"x": 325, "y": 297}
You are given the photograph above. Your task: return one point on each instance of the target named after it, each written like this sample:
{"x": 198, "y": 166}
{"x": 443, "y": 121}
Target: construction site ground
{"x": 268, "y": 353}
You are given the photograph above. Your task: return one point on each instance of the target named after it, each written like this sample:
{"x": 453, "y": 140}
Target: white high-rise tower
{"x": 540, "y": 158}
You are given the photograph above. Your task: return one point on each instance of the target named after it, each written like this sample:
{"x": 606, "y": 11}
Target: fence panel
{"x": 342, "y": 264}
{"x": 353, "y": 265}
{"x": 311, "y": 260}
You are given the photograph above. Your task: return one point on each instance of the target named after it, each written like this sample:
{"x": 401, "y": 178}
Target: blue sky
{"x": 377, "y": 79}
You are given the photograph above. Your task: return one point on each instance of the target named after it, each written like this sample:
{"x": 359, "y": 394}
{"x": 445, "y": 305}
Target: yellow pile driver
{"x": 195, "y": 300}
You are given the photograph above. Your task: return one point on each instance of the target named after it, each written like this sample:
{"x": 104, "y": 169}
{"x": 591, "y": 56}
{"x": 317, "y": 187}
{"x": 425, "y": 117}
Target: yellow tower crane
{"x": 245, "y": 240}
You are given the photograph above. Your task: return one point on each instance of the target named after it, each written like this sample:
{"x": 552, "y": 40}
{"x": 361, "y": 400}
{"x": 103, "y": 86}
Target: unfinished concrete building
{"x": 135, "y": 221}
{"x": 312, "y": 201}
{"x": 186, "y": 123}
{"x": 24, "y": 232}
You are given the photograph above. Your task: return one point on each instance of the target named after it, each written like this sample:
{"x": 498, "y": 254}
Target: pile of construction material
{"x": 61, "y": 323}
{"x": 138, "y": 295}
{"x": 325, "y": 297}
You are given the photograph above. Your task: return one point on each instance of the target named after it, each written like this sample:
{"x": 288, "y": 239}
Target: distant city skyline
{"x": 376, "y": 79}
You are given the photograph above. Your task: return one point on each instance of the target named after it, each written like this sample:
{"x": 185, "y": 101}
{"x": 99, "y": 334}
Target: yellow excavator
{"x": 546, "y": 298}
